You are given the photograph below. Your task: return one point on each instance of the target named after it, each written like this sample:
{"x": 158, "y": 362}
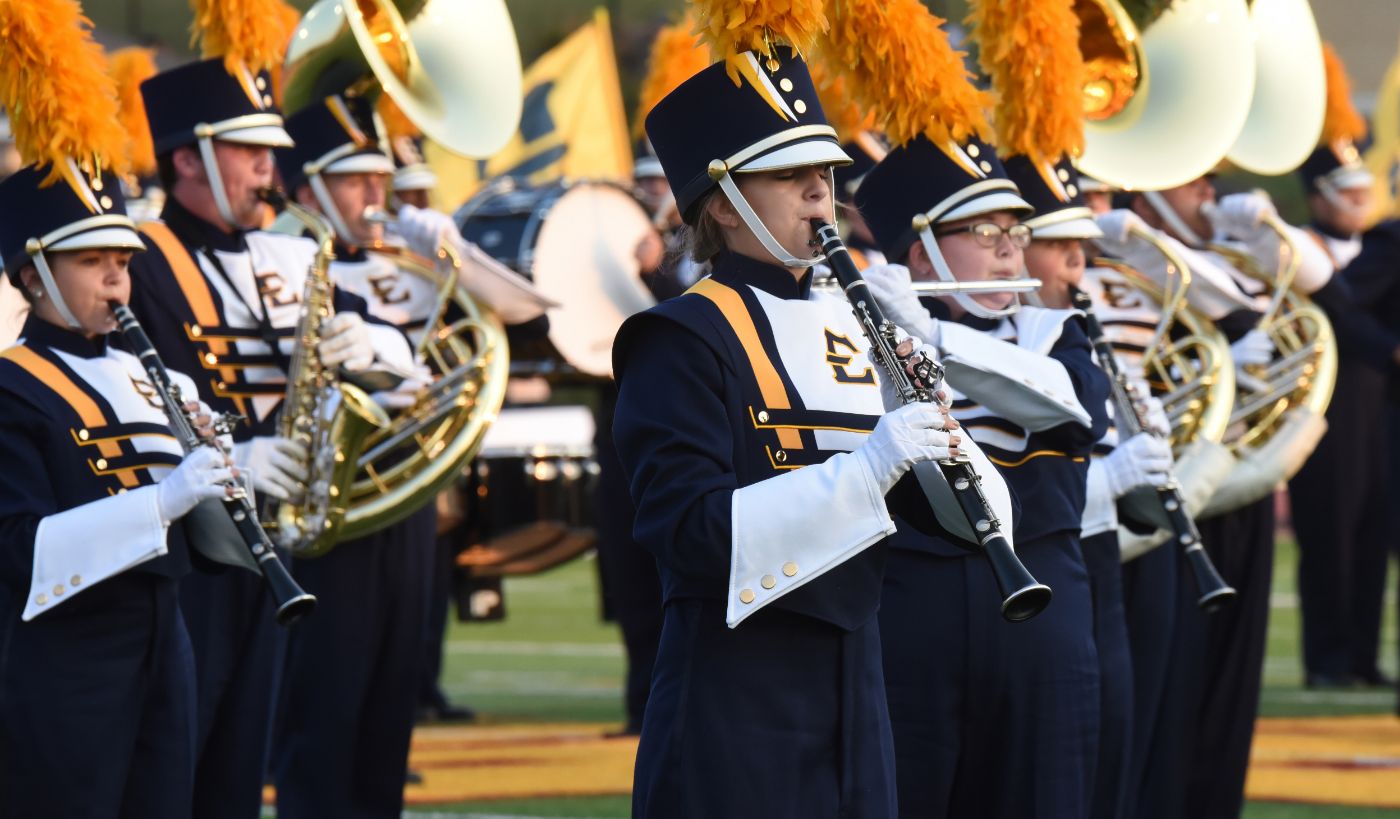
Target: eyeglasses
{"x": 988, "y": 234}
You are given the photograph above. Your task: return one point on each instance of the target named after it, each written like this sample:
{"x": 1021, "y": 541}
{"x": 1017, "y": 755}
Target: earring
{"x": 38, "y": 294}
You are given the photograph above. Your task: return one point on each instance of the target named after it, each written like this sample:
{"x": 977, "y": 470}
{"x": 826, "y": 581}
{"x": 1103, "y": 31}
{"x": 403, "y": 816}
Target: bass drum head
{"x": 585, "y": 258}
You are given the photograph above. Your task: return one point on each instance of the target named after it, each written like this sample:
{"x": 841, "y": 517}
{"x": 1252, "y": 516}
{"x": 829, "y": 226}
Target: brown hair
{"x": 703, "y": 240}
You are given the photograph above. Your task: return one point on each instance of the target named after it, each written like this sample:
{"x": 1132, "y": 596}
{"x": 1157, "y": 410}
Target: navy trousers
{"x": 990, "y": 718}
{"x": 97, "y": 705}
{"x": 1150, "y": 601}
{"x": 238, "y": 659}
{"x": 1200, "y": 752}
{"x": 1101, "y": 556}
{"x": 1340, "y": 505}
{"x": 353, "y": 671}
{"x": 782, "y": 717}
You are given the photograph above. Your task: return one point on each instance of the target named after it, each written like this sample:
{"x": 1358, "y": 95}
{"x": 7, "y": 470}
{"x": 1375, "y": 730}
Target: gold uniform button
{"x": 780, "y": 456}
{"x": 768, "y": 581}
{"x": 789, "y": 568}
{"x": 763, "y": 417}
{"x": 745, "y": 596}
{"x": 101, "y": 463}
{"x": 58, "y": 590}
{"x": 75, "y": 580}
{"x": 210, "y": 358}
{"x": 41, "y": 599}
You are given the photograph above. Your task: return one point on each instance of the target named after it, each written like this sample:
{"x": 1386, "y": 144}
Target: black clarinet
{"x": 291, "y": 600}
{"x": 1022, "y": 596}
{"x": 1212, "y": 589}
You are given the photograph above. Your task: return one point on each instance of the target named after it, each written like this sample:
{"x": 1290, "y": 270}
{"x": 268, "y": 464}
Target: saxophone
{"x": 324, "y": 413}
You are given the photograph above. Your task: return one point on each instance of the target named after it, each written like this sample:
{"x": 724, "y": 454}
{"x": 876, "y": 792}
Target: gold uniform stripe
{"x": 194, "y": 286}
{"x": 1040, "y": 453}
{"x": 82, "y": 403}
{"x": 770, "y": 385}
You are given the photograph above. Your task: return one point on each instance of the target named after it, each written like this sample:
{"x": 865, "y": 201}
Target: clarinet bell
{"x": 1022, "y": 596}
{"x": 1214, "y": 591}
{"x": 293, "y": 602}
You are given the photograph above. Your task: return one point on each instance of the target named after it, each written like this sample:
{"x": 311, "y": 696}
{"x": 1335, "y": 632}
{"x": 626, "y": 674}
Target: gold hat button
{"x": 973, "y": 151}
{"x": 745, "y": 596}
{"x": 789, "y": 568}
{"x": 105, "y": 202}
{"x": 985, "y": 166}
{"x": 267, "y": 100}
{"x": 1071, "y": 190}
{"x": 768, "y": 581}
{"x": 261, "y": 83}
{"x": 800, "y": 107}
{"x": 785, "y": 84}
{"x": 1064, "y": 175}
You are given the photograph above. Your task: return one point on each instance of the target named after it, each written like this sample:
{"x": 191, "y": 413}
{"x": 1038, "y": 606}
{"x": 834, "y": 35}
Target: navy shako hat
{"x": 339, "y": 135}
{"x": 58, "y": 217}
{"x": 1336, "y": 166}
{"x": 920, "y": 184}
{"x": 865, "y": 151}
{"x": 1055, "y": 193}
{"x": 203, "y": 99}
{"x": 709, "y": 126}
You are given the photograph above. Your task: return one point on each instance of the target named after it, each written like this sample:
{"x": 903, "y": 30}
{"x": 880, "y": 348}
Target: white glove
{"x": 1154, "y": 415}
{"x": 1240, "y": 214}
{"x": 894, "y": 292}
{"x": 425, "y": 229}
{"x": 1117, "y": 226}
{"x": 901, "y": 439}
{"x": 1254, "y": 347}
{"x": 200, "y": 476}
{"x": 1142, "y": 460}
{"x": 345, "y": 343}
{"x": 277, "y": 465}
{"x": 402, "y": 396}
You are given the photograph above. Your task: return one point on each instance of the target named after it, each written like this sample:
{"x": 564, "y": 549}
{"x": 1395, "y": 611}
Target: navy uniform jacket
{"x": 205, "y": 319}
{"x": 724, "y": 393}
{"x": 1046, "y": 469}
{"x": 79, "y": 425}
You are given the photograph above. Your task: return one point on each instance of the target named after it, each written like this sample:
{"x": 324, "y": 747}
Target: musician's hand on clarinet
{"x": 905, "y": 436}
{"x": 893, "y": 289}
{"x": 1154, "y": 415}
{"x": 203, "y": 474}
{"x": 1142, "y": 460}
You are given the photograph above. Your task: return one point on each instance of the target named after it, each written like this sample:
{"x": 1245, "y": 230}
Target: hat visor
{"x": 367, "y": 162}
{"x": 274, "y": 136}
{"x": 107, "y": 237}
{"x": 991, "y": 202}
{"x": 414, "y": 178}
{"x": 1346, "y": 178}
{"x": 821, "y": 151}
{"x": 1066, "y": 223}
{"x": 647, "y": 167}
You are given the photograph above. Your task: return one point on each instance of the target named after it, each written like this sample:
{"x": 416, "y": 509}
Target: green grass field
{"x": 553, "y": 659}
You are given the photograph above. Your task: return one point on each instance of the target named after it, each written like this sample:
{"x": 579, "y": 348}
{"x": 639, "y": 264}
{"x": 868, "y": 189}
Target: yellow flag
{"x": 1384, "y": 154}
{"x": 572, "y": 125}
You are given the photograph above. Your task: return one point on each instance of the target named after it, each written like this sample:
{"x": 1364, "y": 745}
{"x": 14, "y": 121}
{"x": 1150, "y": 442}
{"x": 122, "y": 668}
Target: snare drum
{"x": 578, "y": 242}
{"x": 531, "y": 491}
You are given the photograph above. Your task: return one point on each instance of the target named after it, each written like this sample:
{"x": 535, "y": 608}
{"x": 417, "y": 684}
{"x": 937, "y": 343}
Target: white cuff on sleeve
{"x": 1031, "y": 389}
{"x": 1100, "y": 507}
{"x": 80, "y": 547}
{"x": 793, "y": 528}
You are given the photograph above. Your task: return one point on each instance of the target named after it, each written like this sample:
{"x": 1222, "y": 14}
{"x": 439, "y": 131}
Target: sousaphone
{"x": 1290, "y": 89}
{"x": 1163, "y": 105}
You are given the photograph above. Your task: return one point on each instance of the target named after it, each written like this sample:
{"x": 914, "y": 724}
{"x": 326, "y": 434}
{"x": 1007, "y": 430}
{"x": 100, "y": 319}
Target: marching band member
{"x": 221, "y": 298}
{"x": 97, "y": 686}
{"x": 414, "y": 179}
{"x": 350, "y": 687}
{"x": 990, "y": 718}
{"x": 767, "y": 697}
{"x": 1060, "y": 229}
{"x": 1340, "y": 511}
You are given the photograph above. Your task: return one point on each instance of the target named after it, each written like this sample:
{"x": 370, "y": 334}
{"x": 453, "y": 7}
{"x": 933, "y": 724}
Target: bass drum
{"x": 578, "y": 242}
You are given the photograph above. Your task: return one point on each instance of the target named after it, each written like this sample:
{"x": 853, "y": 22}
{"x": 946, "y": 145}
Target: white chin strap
{"x": 51, "y": 287}
{"x": 1333, "y": 196}
{"x": 1175, "y": 223}
{"x": 216, "y": 182}
{"x": 329, "y": 210}
{"x": 940, "y": 268}
{"x": 760, "y": 231}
